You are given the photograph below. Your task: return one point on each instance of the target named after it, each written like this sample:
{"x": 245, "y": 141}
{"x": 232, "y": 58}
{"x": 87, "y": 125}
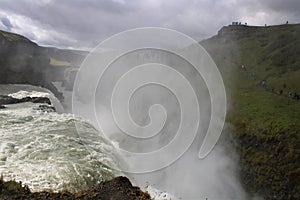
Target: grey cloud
{"x": 86, "y": 23}
{"x": 287, "y": 6}
{"x": 5, "y": 21}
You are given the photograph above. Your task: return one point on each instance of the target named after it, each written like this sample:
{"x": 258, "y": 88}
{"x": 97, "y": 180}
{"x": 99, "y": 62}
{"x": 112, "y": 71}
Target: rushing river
{"x": 43, "y": 150}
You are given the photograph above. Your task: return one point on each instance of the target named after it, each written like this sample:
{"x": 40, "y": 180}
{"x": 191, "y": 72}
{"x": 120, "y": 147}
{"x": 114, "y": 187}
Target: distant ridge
{"x": 24, "y": 62}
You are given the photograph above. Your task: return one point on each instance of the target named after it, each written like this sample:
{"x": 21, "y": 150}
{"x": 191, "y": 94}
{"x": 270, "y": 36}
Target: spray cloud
{"x": 159, "y": 96}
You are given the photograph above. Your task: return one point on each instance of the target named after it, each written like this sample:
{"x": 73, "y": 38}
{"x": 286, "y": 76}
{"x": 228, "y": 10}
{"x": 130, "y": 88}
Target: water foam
{"x": 23, "y": 94}
{"x": 44, "y": 151}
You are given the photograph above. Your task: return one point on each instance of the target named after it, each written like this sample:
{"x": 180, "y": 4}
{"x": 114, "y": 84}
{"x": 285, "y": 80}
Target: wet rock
{"x": 45, "y": 108}
{"x": 10, "y": 100}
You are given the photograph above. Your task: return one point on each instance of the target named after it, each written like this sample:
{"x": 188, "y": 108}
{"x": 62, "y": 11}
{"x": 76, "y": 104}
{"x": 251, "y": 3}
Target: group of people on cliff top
{"x": 240, "y": 23}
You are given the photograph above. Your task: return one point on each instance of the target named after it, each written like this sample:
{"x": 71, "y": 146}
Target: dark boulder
{"x": 10, "y": 100}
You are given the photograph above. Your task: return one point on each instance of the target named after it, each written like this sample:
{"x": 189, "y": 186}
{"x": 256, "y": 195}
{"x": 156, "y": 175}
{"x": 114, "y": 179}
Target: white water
{"x": 22, "y": 94}
{"x": 44, "y": 151}
{"x": 159, "y": 195}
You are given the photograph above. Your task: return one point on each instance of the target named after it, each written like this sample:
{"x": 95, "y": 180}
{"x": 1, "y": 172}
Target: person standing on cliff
{"x": 280, "y": 92}
{"x": 284, "y": 86}
{"x": 264, "y": 83}
{"x": 273, "y": 89}
{"x": 243, "y": 68}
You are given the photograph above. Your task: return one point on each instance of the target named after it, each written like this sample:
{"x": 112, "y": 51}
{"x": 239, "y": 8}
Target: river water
{"x": 43, "y": 150}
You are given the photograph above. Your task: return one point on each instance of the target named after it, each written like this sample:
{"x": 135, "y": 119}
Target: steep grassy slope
{"x": 266, "y": 124}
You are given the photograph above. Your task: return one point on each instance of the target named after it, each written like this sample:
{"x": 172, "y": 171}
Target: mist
{"x": 188, "y": 177}
{"x": 215, "y": 177}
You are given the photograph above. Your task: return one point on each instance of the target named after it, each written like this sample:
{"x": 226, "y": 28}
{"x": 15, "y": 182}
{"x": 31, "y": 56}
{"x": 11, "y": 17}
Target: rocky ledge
{"x": 119, "y": 188}
{"x": 11, "y": 100}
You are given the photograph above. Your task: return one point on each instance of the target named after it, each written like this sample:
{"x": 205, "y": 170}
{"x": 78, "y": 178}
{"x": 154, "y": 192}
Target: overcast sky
{"x": 82, "y": 24}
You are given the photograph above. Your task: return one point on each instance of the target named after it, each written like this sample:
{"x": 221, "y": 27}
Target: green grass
{"x": 266, "y": 125}
{"x": 56, "y": 62}
{"x": 267, "y": 136}
{"x": 13, "y": 37}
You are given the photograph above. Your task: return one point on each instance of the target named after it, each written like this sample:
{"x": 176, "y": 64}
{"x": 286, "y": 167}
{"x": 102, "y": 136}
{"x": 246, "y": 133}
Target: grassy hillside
{"x": 24, "y": 62}
{"x": 58, "y": 63}
{"x": 266, "y": 125}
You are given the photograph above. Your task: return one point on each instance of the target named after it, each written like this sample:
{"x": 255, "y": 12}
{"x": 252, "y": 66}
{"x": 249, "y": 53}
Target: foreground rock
{"x": 118, "y": 188}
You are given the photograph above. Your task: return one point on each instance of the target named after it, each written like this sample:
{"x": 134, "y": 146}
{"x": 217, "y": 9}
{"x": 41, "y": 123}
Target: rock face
{"x": 233, "y": 32}
{"x": 4, "y": 100}
{"x": 24, "y": 62}
{"x": 118, "y": 188}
